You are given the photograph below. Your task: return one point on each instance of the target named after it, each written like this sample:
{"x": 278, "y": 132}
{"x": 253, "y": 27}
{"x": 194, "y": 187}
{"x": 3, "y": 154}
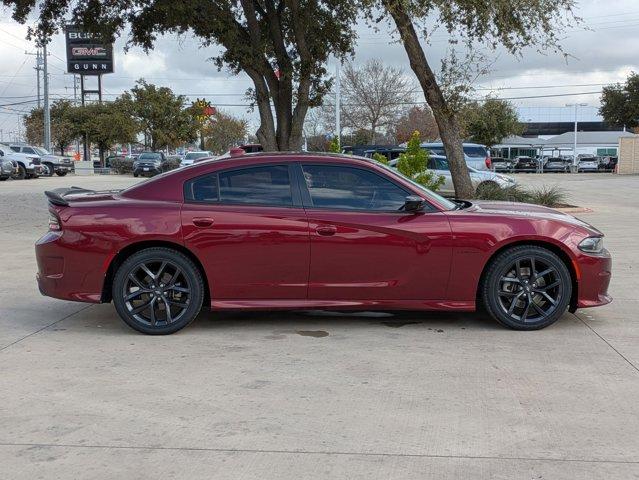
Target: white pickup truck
{"x": 50, "y": 163}
{"x": 29, "y": 166}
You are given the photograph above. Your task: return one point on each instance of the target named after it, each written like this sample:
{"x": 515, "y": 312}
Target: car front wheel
{"x": 21, "y": 174}
{"x": 526, "y": 288}
{"x": 158, "y": 291}
{"x": 47, "y": 170}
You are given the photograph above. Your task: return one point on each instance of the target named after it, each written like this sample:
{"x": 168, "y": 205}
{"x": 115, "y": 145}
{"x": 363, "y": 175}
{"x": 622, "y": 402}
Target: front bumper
{"x": 147, "y": 170}
{"x": 594, "y": 279}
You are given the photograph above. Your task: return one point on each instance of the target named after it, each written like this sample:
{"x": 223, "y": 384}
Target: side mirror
{"x": 413, "y": 203}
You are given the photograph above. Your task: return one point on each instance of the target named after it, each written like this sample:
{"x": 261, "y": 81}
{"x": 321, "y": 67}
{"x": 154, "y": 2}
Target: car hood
{"x": 525, "y": 210}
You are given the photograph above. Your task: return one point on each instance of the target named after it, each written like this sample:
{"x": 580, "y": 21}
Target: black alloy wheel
{"x": 527, "y": 288}
{"x": 158, "y": 291}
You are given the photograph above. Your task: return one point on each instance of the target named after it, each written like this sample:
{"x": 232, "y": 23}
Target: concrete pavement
{"x": 317, "y": 395}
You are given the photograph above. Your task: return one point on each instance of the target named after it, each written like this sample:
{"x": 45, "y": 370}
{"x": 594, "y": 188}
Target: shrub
{"x": 171, "y": 163}
{"x": 334, "y": 146}
{"x": 122, "y": 165}
{"x": 414, "y": 164}
{"x": 549, "y": 196}
{"x": 378, "y": 157}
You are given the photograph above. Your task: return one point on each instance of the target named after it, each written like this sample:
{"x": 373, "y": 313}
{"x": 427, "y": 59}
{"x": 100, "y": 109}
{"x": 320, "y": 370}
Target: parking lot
{"x": 311, "y": 395}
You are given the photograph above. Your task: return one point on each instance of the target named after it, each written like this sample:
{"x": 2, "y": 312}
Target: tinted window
{"x": 150, "y": 156}
{"x": 475, "y": 152}
{"x": 203, "y": 189}
{"x": 268, "y": 185}
{"x": 28, "y": 150}
{"x": 333, "y": 186}
{"x": 438, "y": 164}
{"x": 15, "y": 149}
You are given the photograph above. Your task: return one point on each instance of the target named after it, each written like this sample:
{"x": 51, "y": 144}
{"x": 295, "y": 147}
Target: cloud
{"x": 602, "y": 54}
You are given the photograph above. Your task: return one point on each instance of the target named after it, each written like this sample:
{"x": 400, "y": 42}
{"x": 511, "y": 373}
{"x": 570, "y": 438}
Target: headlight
{"x": 591, "y": 245}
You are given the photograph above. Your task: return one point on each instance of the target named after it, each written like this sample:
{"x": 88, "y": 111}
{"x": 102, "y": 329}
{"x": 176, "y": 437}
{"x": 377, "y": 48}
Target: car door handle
{"x": 202, "y": 222}
{"x": 326, "y": 230}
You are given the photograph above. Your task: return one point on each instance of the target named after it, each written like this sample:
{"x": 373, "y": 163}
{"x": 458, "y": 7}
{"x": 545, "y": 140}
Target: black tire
{"x": 135, "y": 174}
{"x": 158, "y": 305}
{"x": 21, "y": 174}
{"x": 61, "y": 173}
{"x": 48, "y": 170}
{"x": 526, "y": 279}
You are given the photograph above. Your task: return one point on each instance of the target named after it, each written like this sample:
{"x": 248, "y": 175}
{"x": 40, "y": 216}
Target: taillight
{"x": 489, "y": 163}
{"x": 54, "y": 223}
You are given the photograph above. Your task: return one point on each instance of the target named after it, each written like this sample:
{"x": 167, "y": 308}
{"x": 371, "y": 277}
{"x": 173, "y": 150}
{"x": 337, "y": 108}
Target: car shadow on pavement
{"x": 312, "y": 323}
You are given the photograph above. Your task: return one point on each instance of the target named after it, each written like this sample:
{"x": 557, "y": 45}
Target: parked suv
{"x": 476, "y": 155}
{"x": 28, "y": 166}
{"x": 148, "y": 163}
{"x": 7, "y": 168}
{"x": 50, "y": 163}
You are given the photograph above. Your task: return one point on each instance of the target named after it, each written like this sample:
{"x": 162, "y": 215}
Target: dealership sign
{"x": 87, "y": 53}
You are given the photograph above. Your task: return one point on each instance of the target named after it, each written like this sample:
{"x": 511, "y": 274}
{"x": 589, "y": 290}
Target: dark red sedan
{"x": 298, "y": 231}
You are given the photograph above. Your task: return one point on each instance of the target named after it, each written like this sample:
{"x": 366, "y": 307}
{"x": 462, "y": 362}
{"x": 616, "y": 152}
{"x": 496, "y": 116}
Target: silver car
{"x": 477, "y": 156}
{"x": 191, "y": 157}
{"x": 480, "y": 178}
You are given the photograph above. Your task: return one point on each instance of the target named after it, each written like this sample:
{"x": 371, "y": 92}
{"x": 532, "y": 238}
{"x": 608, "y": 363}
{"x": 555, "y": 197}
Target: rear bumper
{"x": 595, "y": 273}
{"x": 62, "y": 276}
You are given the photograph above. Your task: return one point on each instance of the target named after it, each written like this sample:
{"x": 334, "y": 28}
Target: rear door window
{"x": 267, "y": 185}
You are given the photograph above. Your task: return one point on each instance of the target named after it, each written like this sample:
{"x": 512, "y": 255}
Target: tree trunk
{"x": 449, "y": 130}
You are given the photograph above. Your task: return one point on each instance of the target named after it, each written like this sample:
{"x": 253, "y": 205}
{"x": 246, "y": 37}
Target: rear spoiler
{"x": 57, "y": 196}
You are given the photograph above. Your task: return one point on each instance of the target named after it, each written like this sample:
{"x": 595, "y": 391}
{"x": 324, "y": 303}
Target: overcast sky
{"x": 604, "y": 52}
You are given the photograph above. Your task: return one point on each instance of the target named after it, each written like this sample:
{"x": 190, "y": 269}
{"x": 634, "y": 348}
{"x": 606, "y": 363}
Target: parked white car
{"x": 479, "y": 178}
{"x": 29, "y": 166}
{"x": 476, "y": 155}
{"x": 191, "y": 157}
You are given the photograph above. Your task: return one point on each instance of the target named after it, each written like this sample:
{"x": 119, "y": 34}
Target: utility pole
{"x": 47, "y": 113}
{"x": 338, "y": 104}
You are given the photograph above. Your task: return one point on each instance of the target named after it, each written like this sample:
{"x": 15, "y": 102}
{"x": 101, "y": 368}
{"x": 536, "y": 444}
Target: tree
{"x": 620, "y": 103}
{"x": 62, "y": 128}
{"x": 282, "y": 45}
{"x": 374, "y": 96}
{"x": 105, "y": 124}
{"x": 417, "y": 118}
{"x": 528, "y": 23}
{"x": 223, "y": 131}
{"x": 490, "y": 122}
{"x": 161, "y": 115}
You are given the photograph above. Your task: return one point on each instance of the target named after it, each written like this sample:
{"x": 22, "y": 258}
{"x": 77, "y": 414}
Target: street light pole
{"x": 338, "y": 101}
{"x": 47, "y": 113}
{"x": 574, "y": 147}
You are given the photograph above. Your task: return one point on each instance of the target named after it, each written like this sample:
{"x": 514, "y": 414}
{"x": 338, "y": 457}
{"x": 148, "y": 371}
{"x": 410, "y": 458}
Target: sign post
{"x": 87, "y": 55}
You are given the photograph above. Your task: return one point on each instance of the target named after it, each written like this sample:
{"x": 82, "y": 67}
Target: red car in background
{"x": 299, "y": 231}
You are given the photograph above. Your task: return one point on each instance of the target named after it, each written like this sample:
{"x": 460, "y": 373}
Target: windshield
{"x": 41, "y": 151}
{"x": 150, "y": 156}
{"x": 196, "y": 155}
{"x": 447, "y": 204}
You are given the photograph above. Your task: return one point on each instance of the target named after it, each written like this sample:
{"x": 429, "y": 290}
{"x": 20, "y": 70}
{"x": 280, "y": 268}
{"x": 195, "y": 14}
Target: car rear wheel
{"x": 526, "y": 288}
{"x": 158, "y": 291}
